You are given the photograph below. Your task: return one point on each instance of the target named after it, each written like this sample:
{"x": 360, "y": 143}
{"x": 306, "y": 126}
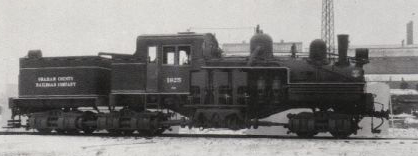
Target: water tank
{"x": 262, "y": 45}
{"x": 318, "y": 51}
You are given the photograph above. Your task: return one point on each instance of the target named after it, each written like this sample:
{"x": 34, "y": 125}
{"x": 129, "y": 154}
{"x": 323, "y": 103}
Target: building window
{"x": 169, "y": 55}
{"x": 152, "y": 54}
{"x": 184, "y": 55}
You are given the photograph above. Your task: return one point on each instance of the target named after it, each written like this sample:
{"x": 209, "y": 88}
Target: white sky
{"x": 85, "y": 27}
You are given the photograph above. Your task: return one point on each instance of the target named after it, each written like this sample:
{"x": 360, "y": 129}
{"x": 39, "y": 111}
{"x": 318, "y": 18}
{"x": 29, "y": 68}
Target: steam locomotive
{"x": 187, "y": 74}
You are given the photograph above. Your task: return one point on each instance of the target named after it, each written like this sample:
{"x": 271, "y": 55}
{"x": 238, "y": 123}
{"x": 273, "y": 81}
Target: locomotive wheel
{"x": 159, "y": 131}
{"x": 154, "y": 132}
{"x": 190, "y": 124}
{"x": 216, "y": 120}
{"x": 44, "y": 130}
{"x": 88, "y": 131}
{"x": 145, "y": 132}
{"x": 88, "y": 116}
{"x": 233, "y": 122}
{"x": 60, "y": 131}
{"x": 72, "y": 131}
{"x": 114, "y": 131}
{"x": 306, "y": 134}
{"x": 340, "y": 135}
{"x": 202, "y": 121}
{"x": 128, "y": 132}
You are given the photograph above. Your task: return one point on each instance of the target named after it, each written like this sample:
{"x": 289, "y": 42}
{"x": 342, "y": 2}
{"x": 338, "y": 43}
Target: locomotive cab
{"x": 170, "y": 58}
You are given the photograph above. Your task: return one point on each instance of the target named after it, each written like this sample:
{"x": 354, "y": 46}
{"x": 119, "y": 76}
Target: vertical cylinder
{"x": 342, "y": 49}
{"x": 318, "y": 51}
{"x": 262, "y": 45}
{"x": 362, "y": 56}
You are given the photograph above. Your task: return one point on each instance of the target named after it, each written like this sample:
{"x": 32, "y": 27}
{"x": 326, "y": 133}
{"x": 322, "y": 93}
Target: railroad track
{"x": 210, "y": 136}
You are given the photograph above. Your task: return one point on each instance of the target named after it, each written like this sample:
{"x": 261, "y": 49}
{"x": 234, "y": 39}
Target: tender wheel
{"x": 159, "y": 131}
{"x": 146, "y": 132}
{"x": 340, "y": 135}
{"x": 60, "y": 131}
{"x": 215, "y": 121}
{"x": 190, "y": 125}
{"x": 183, "y": 122}
{"x": 88, "y": 131}
{"x": 44, "y": 131}
{"x": 151, "y": 132}
{"x": 233, "y": 123}
{"x": 127, "y": 132}
{"x": 306, "y": 134}
{"x": 202, "y": 121}
{"x": 73, "y": 131}
{"x": 88, "y": 116}
{"x": 114, "y": 132}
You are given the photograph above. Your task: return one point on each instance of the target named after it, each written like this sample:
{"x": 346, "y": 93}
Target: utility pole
{"x": 327, "y": 26}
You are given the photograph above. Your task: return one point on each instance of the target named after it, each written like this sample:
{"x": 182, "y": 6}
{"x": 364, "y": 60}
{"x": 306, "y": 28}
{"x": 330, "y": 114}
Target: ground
{"x": 22, "y": 145}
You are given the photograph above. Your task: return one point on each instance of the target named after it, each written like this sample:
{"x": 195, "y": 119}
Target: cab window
{"x": 169, "y": 55}
{"x": 184, "y": 55}
{"x": 176, "y": 55}
{"x": 152, "y": 54}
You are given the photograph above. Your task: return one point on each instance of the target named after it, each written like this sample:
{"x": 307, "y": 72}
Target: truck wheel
{"x": 44, "y": 130}
{"x": 306, "y": 134}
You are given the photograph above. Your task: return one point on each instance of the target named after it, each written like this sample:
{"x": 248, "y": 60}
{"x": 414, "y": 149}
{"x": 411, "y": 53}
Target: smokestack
{"x": 342, "y": 49}
{"x": 410, "y": 33}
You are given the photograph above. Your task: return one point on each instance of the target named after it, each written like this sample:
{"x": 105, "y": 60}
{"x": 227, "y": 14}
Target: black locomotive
{"x": 186, "y": 74}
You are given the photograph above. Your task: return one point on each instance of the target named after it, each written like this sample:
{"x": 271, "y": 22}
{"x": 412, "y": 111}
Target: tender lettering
{"x": 66, "y": 84}
{"x": 62, "y": 81}
{"x": 68, "y": 78}
{"x": 46, "y": 84}
{"x": 46, "y": 79}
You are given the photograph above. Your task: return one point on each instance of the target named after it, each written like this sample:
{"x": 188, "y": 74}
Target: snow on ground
{"x": 23, "y": 145}
{"x": 208, "y": 131}
{"x": 402, "y": 133}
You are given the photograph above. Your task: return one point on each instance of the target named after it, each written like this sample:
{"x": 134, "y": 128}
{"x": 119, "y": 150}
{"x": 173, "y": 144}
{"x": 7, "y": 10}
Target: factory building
{"x": 396, "y": 65}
